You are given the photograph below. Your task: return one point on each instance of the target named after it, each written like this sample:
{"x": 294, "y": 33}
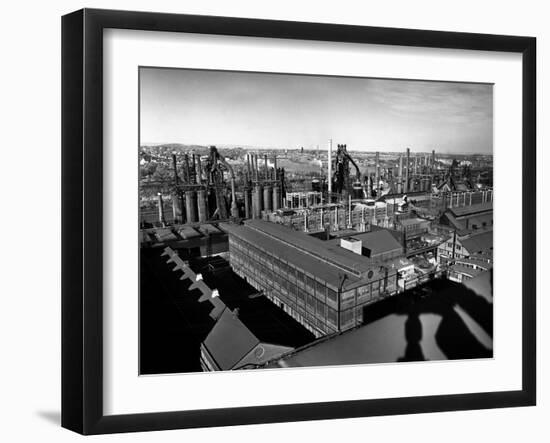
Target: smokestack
{"x": 248, "y": 164}
{"x": 187, "y": 172}
{"x": 247, "y": 213}
{"x": 400, "y": 175}
{"x": 266, "y": 168}
{"x": 174, "y": 162}
{"x": 329, "y": 178}
{"x": 407, "y": 164}
{"x": 199, "y": 166}
{"x": 433, "y": 159}
{"x": 377, "y": 173}
{"x": 195, "y": 170}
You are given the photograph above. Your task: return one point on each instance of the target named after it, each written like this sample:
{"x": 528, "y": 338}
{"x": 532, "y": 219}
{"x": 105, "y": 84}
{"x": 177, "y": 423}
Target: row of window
{"x": 307, "y": 297}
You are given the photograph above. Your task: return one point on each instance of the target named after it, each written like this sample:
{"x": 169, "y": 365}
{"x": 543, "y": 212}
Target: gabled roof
{"x": 229, "y": 341}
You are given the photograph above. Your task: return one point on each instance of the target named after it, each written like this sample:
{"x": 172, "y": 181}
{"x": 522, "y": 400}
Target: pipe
{"x": 266, "y": 168}
{"x": 247, "y": 213}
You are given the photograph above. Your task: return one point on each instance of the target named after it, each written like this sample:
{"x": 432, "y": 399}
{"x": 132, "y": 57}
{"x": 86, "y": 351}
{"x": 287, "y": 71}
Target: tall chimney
{"x": 329, "y": 178}
{"x": 400, "y": 175}
{"x": 187, "y": 172}
{"x": 266, "y": 168}
{"x": 407, "y": 164}
{"x": 377, "y": 174}
{"x": 195, "y": 169}
{"x": 253, "y": 176}
{"x": 174, "y": 162}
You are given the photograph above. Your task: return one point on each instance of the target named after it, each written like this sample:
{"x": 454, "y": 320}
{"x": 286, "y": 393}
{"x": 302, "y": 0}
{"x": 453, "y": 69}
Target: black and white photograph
{"x": 291, "y": 220}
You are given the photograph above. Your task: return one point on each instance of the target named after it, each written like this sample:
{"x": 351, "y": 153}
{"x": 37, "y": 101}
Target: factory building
{"x": 320, "y": 284}
{"x": 469, "y": 219}
{"x": 377, "y": 245}
{"x": 478, "y": 246}
{"x": 391, "y": 330}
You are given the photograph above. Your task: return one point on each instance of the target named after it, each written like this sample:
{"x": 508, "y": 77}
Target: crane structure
{"x": 341, "y": 177}
{"x": 215, "y": 167}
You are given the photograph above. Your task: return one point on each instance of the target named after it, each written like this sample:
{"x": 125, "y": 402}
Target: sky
{"x": 290, "y": 111}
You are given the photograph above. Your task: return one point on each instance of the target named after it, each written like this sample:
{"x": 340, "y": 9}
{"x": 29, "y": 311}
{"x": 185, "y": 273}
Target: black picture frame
{"x": 82, "y": 190}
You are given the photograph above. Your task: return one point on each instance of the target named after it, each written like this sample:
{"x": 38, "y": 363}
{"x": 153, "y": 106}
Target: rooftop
{"x": 410, "y": 327}
{"x": 465, "y": 211}
{"x": 326, "y": 252}
{"x": 478, "y": 242}
{"x": 379, "y": 241}
{"x": 230, "y": 340}
{"x": 313, "y": 266}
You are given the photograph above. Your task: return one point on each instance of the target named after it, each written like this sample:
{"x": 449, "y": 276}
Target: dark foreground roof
{"x": 229, "y": 341}
{"x": 451, "y": 322}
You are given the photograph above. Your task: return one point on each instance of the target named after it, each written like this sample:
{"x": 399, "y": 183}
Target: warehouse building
{"x": 477, "y": 246}
{"x": 469, "y": 219}
{"x": 322, "y": 285}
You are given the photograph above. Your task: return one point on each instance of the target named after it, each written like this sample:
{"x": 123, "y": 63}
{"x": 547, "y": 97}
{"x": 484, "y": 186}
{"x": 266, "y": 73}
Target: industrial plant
{"x": 273, "y": 258}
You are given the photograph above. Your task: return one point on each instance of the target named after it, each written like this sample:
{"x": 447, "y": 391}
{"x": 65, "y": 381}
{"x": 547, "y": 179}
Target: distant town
{"x": 277, "y": 258}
